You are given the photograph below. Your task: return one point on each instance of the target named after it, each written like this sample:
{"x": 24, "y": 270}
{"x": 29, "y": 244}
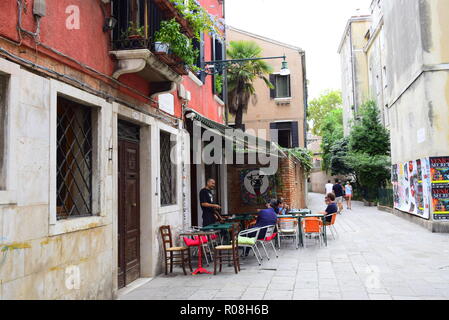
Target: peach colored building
{"x": 283, "y": 108}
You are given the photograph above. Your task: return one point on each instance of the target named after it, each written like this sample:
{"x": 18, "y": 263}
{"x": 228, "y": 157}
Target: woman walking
{"x": 348, "y": 192}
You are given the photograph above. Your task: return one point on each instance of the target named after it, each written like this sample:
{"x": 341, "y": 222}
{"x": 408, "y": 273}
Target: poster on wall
{"x": 411, "y": 187}
{"x": 256, "y": 187}
{"x": 439, "y": 171}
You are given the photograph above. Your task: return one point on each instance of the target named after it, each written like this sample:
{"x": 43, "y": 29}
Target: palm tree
{"x": 241, "y": 77}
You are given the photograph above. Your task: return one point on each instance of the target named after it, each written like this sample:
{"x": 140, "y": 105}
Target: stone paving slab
{"x": 376, "y": 256}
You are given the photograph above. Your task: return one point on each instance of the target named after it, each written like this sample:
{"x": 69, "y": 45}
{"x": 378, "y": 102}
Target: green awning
{"x": 220, "y": 129}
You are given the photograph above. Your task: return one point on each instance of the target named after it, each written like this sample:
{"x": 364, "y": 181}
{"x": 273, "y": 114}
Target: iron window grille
{"x": 168, "y": 171}
{"x": 74, "y": 160}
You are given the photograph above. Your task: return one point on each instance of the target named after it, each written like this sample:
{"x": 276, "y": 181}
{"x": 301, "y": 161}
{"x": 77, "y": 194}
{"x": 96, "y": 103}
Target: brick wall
{"x": 291, "y": 188}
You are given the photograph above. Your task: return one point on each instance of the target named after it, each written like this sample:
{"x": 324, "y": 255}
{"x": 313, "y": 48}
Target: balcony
{"x": 133, "y": 40}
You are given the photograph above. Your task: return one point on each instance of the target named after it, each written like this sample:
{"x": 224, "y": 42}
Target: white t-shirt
{"x": 329, "y": 187}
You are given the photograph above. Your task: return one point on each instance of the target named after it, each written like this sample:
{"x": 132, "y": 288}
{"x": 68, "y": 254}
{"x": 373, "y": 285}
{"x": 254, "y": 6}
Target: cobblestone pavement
{"x": 375, "y": 256}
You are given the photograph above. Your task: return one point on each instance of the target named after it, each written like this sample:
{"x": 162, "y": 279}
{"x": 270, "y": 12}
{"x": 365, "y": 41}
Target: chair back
{"x": 235, "y": 236}
{"x": 312, "y": 226}
{"x": 270, "y": 231}
{"x": 334, "y": 218}
{"x": 167, "y": 241}
{"x": 287, "y": 224}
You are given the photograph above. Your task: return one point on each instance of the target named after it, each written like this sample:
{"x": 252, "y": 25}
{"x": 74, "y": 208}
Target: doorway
{"x": 128, "y": 203}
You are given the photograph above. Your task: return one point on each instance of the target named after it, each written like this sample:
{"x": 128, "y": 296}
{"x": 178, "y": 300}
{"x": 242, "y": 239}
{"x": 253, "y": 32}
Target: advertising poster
{"x": 411, "y": 187}
{"x": 439, "y": 171}
{"x": 256, "y": 187}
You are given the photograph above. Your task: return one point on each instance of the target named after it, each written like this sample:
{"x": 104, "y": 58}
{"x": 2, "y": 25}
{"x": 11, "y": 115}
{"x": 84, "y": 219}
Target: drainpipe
{"x": 354, "y": 83}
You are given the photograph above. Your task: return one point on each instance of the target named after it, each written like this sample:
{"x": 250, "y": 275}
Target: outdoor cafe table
{"x": 199, "y": 234}
{"x": 300, "y": 229}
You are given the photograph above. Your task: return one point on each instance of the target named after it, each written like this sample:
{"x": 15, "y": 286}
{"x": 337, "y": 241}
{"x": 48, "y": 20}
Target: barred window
{"x": 4, "y": 80}
{"x": 74, "y": 159}
{"x": 168, "y": 170}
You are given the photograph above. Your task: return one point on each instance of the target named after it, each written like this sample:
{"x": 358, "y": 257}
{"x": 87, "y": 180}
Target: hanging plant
{"x": 180, "y": 45}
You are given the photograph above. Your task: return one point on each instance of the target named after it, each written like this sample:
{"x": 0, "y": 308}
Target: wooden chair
{"x": 174, "y": 255}
{"x": 229, "y": 252}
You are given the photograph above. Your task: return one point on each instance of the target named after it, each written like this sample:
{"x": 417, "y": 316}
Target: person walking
{"x": 339, "y": 193}
{"x": 207, "y": 203}
{"x": 348, "y": 193}
{"x": 328, "y": 187}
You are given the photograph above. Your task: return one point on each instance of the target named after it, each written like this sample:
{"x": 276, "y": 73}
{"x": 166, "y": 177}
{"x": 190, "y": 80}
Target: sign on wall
{"x": 411, "y": 187}
{"x": 422, "y": 185}
{"x": 167, "y": 103}
{"x": 256, "y": 187}
{"x": 439, "y": 169}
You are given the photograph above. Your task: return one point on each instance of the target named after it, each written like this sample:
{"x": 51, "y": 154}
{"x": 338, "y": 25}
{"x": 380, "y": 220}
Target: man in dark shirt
{"x": 207, "y": 203}
{"x": 338, "y": 191}
{"x": 331, "y": 207}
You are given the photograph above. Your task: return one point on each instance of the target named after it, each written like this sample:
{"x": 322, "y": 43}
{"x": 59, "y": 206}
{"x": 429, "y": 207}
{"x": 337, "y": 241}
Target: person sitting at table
{"x": 266, "y": 217}
{"x": 282, "y": 207}
{"x": 331, "y": 207}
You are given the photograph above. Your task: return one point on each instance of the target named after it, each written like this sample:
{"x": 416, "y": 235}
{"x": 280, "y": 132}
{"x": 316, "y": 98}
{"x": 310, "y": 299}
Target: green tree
{"x": 331, "y": 132}
{"x": 320, "y": 107}
{"x": 338, "y": 158}
{"x": 369, "y": 151}
{"x": 241, "y": 77}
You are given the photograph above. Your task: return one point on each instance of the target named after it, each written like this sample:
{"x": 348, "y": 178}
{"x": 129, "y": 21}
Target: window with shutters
{"x": 74, "y": 160}
{"x": 287, "y": 134}
{"x": 217, "y": 54}
{"x": 167, "y": 170}
{"x": 282, "y": 87}
{"x": 199, "y": 45}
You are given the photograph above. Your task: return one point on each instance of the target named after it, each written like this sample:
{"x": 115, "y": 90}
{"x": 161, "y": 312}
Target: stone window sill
{"x": 76, "y": 224}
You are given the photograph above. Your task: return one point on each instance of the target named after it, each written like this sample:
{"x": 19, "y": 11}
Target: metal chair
{"x": 331, "y": 224}
{"x": 312, "y": 227}
{"x": 270, "y": 235}
{"x": 288, "y": 228}
{"x": 248, "y": 239}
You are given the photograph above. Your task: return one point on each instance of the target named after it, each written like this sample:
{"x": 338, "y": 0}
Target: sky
{"x": 316, "y": 26}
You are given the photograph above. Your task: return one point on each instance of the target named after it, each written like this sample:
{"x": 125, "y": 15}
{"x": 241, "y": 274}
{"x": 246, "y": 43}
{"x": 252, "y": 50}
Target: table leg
{"x": 200, "y": 268}
{"x": 301, "y": 239}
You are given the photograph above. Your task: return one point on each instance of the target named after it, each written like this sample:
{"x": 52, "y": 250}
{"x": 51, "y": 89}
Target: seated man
{"x": 331, "y": 207}
{"x": 282, "y": 207}
{"x": 266, "y": 217}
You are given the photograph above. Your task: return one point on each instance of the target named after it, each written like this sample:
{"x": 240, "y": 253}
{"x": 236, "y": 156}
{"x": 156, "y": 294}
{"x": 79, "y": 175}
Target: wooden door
{"x": 128, "y": 212}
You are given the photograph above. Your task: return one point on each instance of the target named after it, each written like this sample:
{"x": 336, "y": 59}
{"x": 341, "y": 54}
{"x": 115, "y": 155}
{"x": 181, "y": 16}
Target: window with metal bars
{"x": 74, "y": 160}
{"x": 168, "y": 170}
{"x": 3, "y": 123}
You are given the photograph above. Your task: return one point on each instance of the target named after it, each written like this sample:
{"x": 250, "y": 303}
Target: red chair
{"x": 196, "y": 241}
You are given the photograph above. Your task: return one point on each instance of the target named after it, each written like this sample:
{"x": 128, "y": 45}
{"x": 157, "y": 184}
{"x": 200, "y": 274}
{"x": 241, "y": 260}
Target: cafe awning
{"x": 249, "y": 145}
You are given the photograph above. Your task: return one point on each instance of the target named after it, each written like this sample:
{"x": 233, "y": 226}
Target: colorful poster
{"x": 256, "y": 187}
{"x": 411, "y": 187}
{"x": 439, "y": 171}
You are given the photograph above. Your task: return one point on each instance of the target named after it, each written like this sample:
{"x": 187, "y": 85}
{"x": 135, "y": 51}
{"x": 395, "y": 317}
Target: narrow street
{"x": 376, "y": 256}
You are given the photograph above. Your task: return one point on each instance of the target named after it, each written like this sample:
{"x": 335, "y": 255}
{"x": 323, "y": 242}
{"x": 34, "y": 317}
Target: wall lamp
{"x": 217, "y": 66}
{"x": 109, "y": 24}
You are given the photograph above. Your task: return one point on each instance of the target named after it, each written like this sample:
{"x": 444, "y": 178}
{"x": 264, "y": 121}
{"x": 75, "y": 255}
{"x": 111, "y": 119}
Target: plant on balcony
{"x": 198, "y": 18}
{"x": 218, "y": 84}
{"x": 133, "y": 31}
{"x": 180, "y": 44}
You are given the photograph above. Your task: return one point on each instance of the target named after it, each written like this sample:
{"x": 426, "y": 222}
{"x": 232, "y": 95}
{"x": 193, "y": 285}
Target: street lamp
{"x": 217, "y": 66}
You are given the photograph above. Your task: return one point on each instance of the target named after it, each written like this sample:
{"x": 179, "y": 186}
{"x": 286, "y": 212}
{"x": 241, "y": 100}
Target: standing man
{"x": 207, "y": 203}
{"x": 338, "y": 191}
{"x": 328, "y": 187}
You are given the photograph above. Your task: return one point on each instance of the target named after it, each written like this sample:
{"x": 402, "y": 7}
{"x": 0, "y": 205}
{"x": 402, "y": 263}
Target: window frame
{"x": 177, "y": 140}
{"x": 8, "y": 195}
{"x": 103, "y": 114}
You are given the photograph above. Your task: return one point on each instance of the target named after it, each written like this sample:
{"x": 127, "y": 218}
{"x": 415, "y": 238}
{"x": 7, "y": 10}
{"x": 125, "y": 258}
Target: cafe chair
{"x": 248, "y": 239}
{"x": 174, "y": 255}
{"x": 331, "y": 225}
{"x": 195, "y": 243}
{"x": 228, "y": 252}
{"x": 270, "y": 235}
{"x": 288, "y": 228}
{"x": 312, "y": 227}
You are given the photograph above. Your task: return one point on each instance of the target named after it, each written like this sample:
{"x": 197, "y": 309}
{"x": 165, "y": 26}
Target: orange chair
{"x": 312, "y": 226}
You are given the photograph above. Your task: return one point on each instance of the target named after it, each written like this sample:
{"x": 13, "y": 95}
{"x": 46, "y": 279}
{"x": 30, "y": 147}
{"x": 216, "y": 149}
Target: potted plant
{"x": 134, "y": 32}
{"x": 178, "y": 43}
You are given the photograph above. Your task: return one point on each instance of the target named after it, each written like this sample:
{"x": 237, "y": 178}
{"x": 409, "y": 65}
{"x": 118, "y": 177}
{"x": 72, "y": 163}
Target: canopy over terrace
{"x": 242, "y": 143}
